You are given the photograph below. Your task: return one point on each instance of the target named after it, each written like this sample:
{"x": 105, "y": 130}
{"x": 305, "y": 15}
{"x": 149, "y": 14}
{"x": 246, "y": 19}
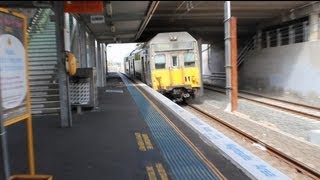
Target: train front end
{"x": 176, "y": 71}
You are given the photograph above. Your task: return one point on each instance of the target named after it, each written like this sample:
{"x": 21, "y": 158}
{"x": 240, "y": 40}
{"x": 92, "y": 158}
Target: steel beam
{"x": 116, "y": 33}
{"x": 196, "y": 29}
{"x": 118, "y": 18}
{"x": 295, "y": 13}
{"x": 65, "y": 106}
{"x": 151, "y": 10}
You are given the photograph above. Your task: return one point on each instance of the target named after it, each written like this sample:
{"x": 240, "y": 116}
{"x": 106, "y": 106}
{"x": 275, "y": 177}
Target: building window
{"x": 298, "y": 32}
{"x": 284, "y": 35}
{"x": 273, "y": 38}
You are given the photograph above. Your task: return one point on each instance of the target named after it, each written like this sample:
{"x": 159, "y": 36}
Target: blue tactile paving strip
{"x": 181, "y": 159}
{"x": 252, "y": 165}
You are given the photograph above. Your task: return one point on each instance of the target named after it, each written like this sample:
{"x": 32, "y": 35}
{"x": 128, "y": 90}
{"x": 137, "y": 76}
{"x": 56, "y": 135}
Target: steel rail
{"x": 315, "y": 117}
{"x": 297, "y": 165}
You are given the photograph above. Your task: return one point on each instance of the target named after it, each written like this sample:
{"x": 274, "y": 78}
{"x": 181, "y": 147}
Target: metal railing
{"x": 39, "y": 20}
{"x": 289, "y": 34}
{"x": 250, "y": 45}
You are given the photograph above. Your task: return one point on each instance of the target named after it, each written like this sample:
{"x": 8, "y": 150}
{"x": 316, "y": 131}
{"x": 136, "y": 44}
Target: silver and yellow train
{"x": 169, "y": 63}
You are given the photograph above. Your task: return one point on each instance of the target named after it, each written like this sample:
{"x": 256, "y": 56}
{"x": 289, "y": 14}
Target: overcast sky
{"x": 117, "y": 52}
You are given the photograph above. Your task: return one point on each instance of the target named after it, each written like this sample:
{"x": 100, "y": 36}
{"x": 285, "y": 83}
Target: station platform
{"x": 134, "y": 134}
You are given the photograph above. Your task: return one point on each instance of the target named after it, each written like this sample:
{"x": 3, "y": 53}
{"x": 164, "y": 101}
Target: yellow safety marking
{"x": 140, "y": 142}
{"x": 161, "y": 171}
{"x": 195, "y": 149}
{"x": 151, "y": 173}
{"x": 147, "y": 141}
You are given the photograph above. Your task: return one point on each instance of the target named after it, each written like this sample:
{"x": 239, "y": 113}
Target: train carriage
{"x": 169, "y": 63}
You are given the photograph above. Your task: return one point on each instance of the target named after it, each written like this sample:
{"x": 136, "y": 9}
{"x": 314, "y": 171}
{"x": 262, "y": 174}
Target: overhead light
{"x": 109, "y": 8}
{"x": 173, "y": 38}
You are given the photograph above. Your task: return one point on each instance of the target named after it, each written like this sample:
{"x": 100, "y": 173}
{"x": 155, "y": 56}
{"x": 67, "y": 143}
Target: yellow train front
{"x": 169, "y": 63}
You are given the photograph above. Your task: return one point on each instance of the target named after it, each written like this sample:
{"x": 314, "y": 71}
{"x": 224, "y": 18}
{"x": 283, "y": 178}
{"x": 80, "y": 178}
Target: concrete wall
{"x": 291, "y": 71}
{"x": 214, "y": 63}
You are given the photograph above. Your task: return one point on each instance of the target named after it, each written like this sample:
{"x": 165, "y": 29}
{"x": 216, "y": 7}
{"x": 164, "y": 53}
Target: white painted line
{"x": 114, "y": 91}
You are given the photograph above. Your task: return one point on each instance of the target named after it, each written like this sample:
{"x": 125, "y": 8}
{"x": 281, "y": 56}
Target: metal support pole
{"x": 201, "y": 68}
{"x": 234, "y": 68}
{"x": 88, "y": 52}
{"x": 227, "y": 16}
{"x": 82, "y": 39}
{"x": 67, "y": 43}
{"x": 99, "y": 60}
{"x": 4, "y": 156}
{"x": 65, "y": 106}
{"x": 106, "y": 59}
{"x": 104, "y": 65}
{"x": 92, "y": 51}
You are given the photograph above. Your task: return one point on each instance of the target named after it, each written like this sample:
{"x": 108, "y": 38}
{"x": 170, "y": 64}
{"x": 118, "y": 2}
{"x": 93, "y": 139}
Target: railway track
{"x": 245, "y": 95}
{"x": 289, "y": 160}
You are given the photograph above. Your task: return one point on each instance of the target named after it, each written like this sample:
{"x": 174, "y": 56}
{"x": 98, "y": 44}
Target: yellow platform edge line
{"x": 147, "y": 141}
{"x": 162, "y": 171}
{"x": 140, "y": 142}
{"x": 151, "y": 173}
{"x": 194, "y": 148}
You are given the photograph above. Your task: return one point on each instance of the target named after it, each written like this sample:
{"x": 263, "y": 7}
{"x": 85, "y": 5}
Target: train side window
{"x": 160, "y": 61}
{"x": 189, "y": 59}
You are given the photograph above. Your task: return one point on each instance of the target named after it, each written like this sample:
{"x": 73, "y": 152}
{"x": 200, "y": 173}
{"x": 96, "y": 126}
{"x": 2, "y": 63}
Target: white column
{"x": 278, "y": 37}
{"x": 292, "y": 36}
{"x": 268, "y": 39}
{"x": 305, "y": 31}
{"x": 259, "y": 40}
{"x": 313, "y": 26}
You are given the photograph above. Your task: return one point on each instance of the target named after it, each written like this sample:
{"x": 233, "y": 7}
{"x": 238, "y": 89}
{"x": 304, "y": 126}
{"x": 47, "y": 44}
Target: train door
{"x": 133, "y": 68}
{"x": 147, "y": 70}
{"x": 175, "y": 70}
{"x": 143, "y": 73}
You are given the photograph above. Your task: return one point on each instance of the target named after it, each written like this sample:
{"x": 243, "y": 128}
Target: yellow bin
{"x": 31, "y": 177}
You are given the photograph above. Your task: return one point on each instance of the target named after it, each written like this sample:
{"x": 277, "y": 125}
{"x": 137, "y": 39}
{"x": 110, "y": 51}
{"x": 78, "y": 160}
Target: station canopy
{"x": 139, "y": 21}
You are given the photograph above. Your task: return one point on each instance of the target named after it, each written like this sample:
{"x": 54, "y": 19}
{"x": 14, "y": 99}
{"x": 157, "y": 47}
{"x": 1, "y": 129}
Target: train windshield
{"x": 160, "y": 61}
{"x": 189, "y": 59}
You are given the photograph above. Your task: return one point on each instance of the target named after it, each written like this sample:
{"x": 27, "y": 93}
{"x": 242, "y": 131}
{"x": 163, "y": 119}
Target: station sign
{"x": 13, "y": 67}
{"x": 83, "y": 7}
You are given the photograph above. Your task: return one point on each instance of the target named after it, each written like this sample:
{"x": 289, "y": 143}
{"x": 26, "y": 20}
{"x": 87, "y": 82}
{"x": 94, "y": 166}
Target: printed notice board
{"x": 13, "y": 67}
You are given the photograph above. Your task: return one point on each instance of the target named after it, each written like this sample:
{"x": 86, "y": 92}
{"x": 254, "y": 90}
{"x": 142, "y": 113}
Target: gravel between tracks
{"x": 283, "y": 131}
